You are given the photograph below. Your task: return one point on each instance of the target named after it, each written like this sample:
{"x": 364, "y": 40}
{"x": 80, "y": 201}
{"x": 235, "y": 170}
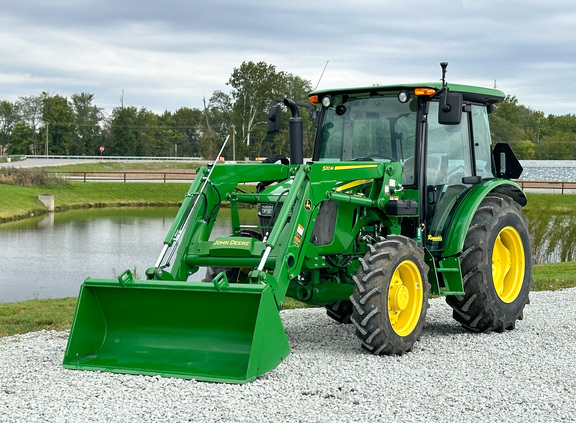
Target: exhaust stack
{"x": 296, "y": 133}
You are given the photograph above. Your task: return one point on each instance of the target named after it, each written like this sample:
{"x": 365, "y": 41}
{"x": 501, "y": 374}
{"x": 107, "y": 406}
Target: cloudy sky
{"x": 166, "y": 54}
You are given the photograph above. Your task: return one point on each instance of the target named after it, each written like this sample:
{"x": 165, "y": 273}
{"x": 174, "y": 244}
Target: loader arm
{"x": 289, "y": 247}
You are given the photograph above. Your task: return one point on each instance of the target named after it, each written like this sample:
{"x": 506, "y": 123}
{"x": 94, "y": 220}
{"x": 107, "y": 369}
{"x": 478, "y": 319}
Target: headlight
{"x": 327, "y": 101}
{"x": 403, "y": 96}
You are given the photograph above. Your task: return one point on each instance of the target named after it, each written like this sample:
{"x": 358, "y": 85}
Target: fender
{"x": 458, "y": 229}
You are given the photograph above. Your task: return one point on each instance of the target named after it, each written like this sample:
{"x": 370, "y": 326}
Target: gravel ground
{"x": 526, "y": 375}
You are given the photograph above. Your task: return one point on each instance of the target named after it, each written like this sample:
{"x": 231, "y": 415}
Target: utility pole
{"x": 46, "y": 146}
{"x": 234, "y": 142}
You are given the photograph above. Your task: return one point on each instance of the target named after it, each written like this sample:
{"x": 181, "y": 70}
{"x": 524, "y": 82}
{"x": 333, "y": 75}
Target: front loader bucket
{"x": 189, "y": 330}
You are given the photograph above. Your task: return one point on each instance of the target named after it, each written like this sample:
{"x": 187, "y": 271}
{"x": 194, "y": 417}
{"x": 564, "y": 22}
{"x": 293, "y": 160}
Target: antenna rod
{"x": 322, "y": 74}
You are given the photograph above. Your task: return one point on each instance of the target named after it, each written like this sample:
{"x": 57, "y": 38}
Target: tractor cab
{"x": 439, "y": 133}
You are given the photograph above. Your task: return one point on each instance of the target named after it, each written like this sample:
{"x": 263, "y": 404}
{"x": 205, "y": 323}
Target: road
{"x": 33, "y": 162}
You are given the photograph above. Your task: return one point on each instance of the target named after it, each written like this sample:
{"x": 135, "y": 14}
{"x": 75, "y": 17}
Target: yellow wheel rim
{"x": 508, "y": 264}
{"x": 405, "y": 298}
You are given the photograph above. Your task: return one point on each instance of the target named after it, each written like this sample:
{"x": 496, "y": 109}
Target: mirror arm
{"x": 445, "y": 106}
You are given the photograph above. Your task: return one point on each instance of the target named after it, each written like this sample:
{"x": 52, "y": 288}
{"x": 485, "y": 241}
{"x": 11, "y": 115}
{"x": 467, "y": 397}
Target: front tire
{"x": 496, "y": 268}
{"x": 212, "y": 272}
{"x": 390, "y": 296}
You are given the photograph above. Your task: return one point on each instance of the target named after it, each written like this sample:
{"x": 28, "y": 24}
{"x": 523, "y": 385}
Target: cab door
{"x": 449, "y": 168}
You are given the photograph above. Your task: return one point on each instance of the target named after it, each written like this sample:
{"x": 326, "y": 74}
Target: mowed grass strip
{"x": 20, "y": 202}
{"x": 35, "y": 315}
{"x": 124, "y": 166}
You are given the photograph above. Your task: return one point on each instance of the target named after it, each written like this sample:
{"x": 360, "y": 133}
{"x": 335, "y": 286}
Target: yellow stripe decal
{"x": 354, "y": 167}
{"x": 353, "y": 184}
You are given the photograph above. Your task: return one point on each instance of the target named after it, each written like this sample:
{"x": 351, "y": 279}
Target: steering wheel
{"x": 371, "y": 157}
{"x": 380, "y": 156}
{"x": 456, "y": 169}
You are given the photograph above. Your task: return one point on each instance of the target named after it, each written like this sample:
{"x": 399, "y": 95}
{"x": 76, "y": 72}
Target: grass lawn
{"x": 35, "y": 315}
{"x": 554, "y": 276}
{"x": 550, "y": 203}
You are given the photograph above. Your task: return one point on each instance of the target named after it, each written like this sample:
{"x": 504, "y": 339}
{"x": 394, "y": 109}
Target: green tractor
{"x": 404, "y": 196}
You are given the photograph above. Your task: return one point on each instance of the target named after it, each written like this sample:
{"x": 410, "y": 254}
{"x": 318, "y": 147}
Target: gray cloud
{"x": 166, "y": 55}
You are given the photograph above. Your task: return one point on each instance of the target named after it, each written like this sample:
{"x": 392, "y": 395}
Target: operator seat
{"x": 436, "y": 168}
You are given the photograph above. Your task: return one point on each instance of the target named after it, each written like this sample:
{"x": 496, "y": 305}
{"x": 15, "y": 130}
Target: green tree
{"x": 30, "y": 111}
{"x": 508, "y": 110}
{"x": 556, "y": 147}
{"x": 254, "y": 85}
{"x": 252, "y": 89}
{"x": 22, "y": 140}
{"x": 135, "y": 132}
{"x": 558, "y": 139}
{"x": 186, "y": 128}
{"x": 149, "y": 135}
{"x": 503, "y": 130}
{"x": 87, "y": 125}
{"x": 518, "y": 126}
{"x": 524, "y": 150}
{"x": 562, "y": 124}
{"x": 218, "y": 124}
{"x": 58, "y": 117}
{"x": 123, "y": 132}
{"x": 8, "y": 118}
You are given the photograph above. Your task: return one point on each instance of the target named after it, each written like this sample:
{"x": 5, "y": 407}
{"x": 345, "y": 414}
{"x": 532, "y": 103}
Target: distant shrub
{"x": 30, "y": 178}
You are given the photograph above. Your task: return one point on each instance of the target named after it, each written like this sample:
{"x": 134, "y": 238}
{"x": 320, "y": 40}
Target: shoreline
{"x": 19, "y": 203}
{"x": 43, "y": 212}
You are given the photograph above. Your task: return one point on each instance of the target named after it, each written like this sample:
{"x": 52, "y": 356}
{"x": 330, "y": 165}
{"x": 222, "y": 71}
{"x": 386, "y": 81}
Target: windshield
{"x": 367, "y": 127}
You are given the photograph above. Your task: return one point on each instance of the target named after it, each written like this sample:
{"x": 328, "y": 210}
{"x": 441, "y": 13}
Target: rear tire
{"x": 341, "y": 311}
{"x": 390, "y": 296}
{"x": 496, "y": 268}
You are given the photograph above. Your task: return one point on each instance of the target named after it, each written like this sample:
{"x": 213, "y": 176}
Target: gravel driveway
{"x": 526, "y": 375}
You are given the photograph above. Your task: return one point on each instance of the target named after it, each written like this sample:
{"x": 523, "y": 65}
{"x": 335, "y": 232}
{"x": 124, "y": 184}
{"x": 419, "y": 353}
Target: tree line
{"x": 531, "y": 134}
{"x": 53, "y": 124}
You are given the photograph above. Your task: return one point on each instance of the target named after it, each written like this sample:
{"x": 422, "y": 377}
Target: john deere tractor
{"x": 404, "y": 196}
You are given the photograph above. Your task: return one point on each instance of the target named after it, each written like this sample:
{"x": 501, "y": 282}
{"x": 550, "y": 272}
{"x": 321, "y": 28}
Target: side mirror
{"x": 273, "y": 121}
{"x": 450, "y": 108}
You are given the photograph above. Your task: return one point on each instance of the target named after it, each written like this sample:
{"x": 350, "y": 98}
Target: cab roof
{"x": 469, "y": 92}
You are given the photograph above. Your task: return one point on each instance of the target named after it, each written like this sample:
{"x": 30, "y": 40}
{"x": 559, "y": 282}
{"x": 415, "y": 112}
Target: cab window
{"x": 367, "y": 127}
{"x": 482, "y": 142}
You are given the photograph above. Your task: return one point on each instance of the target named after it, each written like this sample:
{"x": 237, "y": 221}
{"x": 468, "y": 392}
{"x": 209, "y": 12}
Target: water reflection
{"x": 50, "y": 256}
{"x": 553, "y": 238}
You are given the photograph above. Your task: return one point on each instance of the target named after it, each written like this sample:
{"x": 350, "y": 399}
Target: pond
{"x": 50, "y": 256}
